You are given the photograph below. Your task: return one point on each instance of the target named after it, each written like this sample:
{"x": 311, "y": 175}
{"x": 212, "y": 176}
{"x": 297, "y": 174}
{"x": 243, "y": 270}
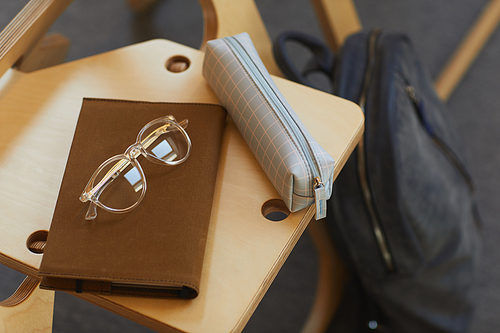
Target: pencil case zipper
{"x": 289, "y": 124}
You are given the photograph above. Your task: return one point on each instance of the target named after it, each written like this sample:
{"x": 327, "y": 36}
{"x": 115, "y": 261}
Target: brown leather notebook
{"x": 156, "y": 249}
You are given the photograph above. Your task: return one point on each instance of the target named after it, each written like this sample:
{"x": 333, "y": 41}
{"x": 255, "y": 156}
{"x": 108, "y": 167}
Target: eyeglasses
{"x": 119, "y": 184}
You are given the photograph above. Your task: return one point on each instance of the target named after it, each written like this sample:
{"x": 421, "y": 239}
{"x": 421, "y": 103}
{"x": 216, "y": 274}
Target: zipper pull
{"x": 410, "y": 91}
{"x": 320, "y": 198}
{"x": 419, "y": 107}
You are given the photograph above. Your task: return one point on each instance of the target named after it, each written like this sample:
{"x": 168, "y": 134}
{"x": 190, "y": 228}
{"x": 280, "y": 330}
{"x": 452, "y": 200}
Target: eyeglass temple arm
{"x": 91, "y": 212}
{"x": 101, "y": 186}
{"x": 108, "y": 178}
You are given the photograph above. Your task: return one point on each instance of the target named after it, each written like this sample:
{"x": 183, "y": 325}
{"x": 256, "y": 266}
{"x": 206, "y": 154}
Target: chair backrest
{"x": 222, "y": 18}
{"x": 227, "y": 17}
{"x": 338, "y": 19}
{"x": 26, "y": 29}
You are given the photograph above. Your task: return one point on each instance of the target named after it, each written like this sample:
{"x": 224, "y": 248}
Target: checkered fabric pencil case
{"x": 299, "y": 168}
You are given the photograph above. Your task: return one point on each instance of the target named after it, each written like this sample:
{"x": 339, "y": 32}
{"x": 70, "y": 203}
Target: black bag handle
{"x": 322, "y": 61}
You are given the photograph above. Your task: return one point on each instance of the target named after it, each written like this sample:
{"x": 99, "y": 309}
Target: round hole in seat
{"x": 275, "y": 210}
{"x": 36, "y": 241}
{"x": 177, "y": 64}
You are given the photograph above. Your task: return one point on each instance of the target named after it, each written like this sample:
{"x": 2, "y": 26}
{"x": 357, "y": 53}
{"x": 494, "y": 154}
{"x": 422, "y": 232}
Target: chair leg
{"x": 141, "y": 6}
{"x": 331, "y": 280}
{"x": 29, "y": 309}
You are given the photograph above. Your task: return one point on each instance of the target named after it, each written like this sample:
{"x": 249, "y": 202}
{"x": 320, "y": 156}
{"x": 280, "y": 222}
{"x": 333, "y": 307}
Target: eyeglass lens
{"x": 165, "y": 141}
{"x": 122, "y": 184}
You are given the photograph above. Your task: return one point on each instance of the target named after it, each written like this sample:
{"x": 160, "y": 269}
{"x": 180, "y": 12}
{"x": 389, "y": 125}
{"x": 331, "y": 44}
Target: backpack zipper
{"x": 380, "y": 237}
{"x": 282, "y": 113}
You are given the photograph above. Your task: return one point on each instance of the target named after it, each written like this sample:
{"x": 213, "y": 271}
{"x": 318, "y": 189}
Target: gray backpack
{"x": 403, "y": 213}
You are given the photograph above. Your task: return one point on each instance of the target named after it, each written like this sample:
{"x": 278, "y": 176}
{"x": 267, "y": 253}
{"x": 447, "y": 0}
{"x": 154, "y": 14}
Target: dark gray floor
{"x": 436, "y": 27}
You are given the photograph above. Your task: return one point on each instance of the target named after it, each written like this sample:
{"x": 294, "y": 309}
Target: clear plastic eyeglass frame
{"x": 148, "y": 136}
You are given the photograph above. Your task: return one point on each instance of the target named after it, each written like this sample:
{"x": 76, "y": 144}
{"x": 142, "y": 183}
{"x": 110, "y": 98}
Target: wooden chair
{"x": 39, "y": 112}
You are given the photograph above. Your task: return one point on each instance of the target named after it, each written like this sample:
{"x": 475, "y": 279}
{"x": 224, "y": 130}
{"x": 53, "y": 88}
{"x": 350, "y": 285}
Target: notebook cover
{"x": 157, "y": 249}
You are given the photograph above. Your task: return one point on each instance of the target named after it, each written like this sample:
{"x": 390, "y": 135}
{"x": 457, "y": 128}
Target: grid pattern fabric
{"x": 277, "y": 149}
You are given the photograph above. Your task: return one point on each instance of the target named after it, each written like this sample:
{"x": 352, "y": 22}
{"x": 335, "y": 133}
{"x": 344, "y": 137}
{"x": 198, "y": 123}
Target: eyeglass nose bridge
{"x": 133, "y": 151}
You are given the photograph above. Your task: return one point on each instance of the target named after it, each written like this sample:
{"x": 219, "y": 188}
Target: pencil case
{"x": 299, "y": 168}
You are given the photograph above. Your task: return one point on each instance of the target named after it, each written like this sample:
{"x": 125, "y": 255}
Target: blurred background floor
{"x": 436, "y": 28}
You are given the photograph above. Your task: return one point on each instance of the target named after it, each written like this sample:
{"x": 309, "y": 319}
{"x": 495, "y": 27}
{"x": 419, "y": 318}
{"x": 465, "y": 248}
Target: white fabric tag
{"x": 320, "y": 199}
